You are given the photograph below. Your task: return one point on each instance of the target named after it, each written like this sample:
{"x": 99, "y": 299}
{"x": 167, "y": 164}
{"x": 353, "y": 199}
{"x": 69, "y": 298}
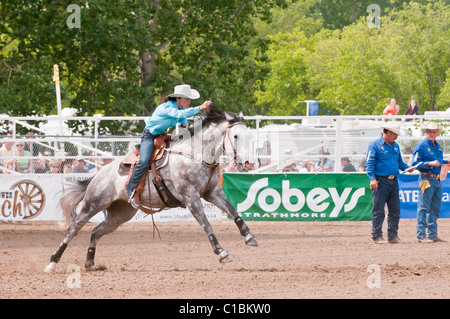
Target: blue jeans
{"x": 146, "y": 152}
{"x": 428, "y": 208}
{"x": 387, "y": 193}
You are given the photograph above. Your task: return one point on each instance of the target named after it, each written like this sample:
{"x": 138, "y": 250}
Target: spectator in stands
{"x": 407, "y": 151}
{"x": 392, "y": 108}
{"x": 12, "y": 165}
{"x": 107, "y": 160}
{"x": 307, "y": 167}
{"x": 325, "y": 164}
{"x": 90, "y": 165}
{"x": 67, "y": 168}
{"x": 39, "y": 166}
{"x": 98, "y": 167}
{"x": 291, "y": 166}
{"x": 47, "y": 156}
{"x": 346, "y": 165}
{"x": 79, "y": 166}
{"x": 30, "y": 146}
{"x": 413, "y": 109}
{"x": 24, "y": 162}
{"x": 264, "y": 160}
{"x": 247, "y": 167}
{"x": 8, "y": 151}
{"x": 55, "y": 167}
{"x": 231, "y": 168}
{"x": 70, "y": 157}
{"x": 362, "y": 164}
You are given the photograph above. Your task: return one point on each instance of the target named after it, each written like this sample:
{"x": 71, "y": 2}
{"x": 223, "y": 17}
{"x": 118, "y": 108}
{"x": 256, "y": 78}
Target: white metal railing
{"x": 290, "y": 137}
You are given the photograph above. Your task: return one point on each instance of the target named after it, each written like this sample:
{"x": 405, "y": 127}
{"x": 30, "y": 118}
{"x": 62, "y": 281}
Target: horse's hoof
{"x": 50, "y": 267}
{"x": 250, "y": 240}
{"x": 89, "y": 265}
{"x": 224, "y": 257}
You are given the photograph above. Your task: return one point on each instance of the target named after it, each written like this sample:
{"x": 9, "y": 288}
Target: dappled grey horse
{"x": 190, "y": 174}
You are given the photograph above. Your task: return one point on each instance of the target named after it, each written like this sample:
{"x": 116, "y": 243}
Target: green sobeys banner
{"x": 299, "y": 197}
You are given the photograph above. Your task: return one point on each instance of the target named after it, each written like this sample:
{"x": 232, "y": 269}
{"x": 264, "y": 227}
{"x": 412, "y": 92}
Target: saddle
{"x": 159, "y": 160}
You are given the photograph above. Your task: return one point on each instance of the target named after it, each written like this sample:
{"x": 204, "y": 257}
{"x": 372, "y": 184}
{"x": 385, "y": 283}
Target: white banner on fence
{"x": 36, "y": 197}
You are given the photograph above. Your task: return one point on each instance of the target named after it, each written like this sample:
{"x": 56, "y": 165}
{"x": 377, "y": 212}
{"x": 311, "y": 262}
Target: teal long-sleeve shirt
{"x": 168, "y": 115}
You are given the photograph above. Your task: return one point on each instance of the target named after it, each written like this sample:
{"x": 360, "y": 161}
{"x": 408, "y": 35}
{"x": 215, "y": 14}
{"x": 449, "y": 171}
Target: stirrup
{"x": 131, "y": 196}
{"x": 132, "y": 201}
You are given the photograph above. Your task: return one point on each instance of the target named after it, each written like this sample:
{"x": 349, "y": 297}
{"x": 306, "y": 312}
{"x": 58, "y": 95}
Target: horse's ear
{"x": 241, "y": 114}
{"x": 228, "y": 116}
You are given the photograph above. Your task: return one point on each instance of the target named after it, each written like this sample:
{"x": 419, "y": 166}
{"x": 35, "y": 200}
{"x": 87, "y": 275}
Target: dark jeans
{"x": 387, "y": 193}
{"x": 146, "y": 152}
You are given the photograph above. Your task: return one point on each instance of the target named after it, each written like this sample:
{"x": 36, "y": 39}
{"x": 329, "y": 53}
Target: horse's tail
{"x": 72, "y": 197}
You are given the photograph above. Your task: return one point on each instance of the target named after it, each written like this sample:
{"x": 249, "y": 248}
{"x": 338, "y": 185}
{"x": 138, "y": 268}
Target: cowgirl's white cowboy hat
{"x": 432, "y": 126}
{"x": 393, "y": 127}
{"x": 185, "y": 91}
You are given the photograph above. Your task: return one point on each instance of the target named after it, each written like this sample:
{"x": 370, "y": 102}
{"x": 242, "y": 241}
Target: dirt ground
{"x": 294, "y": 260}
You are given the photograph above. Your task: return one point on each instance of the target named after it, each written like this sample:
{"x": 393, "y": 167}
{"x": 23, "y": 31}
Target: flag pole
{"x": 58, "y": 96}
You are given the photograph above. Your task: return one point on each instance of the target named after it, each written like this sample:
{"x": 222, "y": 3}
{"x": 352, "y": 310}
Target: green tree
{"x": 357, "y": 70}
{"x": 349, "y": 70}
{"x": 336, "y": 14}
{"x": 126, "y": 54}
{"x": 287, "y": 82}
{"x": 444, "y": 97}
{"x": 418, "y": 42}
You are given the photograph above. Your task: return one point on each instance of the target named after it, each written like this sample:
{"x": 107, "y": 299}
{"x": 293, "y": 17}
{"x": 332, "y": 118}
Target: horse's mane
{"x": 213, "y": 115}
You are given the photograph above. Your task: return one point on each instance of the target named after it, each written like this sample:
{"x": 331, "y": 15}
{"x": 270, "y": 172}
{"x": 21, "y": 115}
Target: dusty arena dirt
{"x": 294, "y": 260}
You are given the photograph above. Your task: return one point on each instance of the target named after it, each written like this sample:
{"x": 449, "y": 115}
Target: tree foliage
{"x": 261, "y": 57}
{"x": 126, "y": 54}
{"x": 358, "y": 69}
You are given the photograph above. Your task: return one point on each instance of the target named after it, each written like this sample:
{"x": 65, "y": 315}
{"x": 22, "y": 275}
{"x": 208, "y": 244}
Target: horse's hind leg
{"x": 195, "y": 206}
{"x": 218, "y": 198}
{"x": 118, "y": 213}
{"x": 83, "y": 217}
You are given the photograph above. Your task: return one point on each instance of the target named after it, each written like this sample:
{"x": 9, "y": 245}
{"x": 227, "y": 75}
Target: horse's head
{"x": 237, "y": 141}
{"x": 230, "y": 130}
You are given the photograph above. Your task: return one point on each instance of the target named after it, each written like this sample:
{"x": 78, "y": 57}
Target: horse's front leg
{"x": 195, "y": 206}
{"x": 217, "y": 197}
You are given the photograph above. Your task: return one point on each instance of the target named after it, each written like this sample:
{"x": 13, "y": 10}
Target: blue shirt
{"x": 383, "y": 159}
{"x": 167, "y": 115}
{"x": 426, "y": 152}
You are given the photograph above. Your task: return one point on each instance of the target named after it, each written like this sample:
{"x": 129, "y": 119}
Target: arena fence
{"x": 26, "y": 194}
{"x": 275, "y": 140}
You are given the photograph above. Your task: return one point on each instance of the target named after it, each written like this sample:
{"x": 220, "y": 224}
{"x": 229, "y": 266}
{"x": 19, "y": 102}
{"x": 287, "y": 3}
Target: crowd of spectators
{"x": 324, "y": 164}
{"x": 23, "y": 156}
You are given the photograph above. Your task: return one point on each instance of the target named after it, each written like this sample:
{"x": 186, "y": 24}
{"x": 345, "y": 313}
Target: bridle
{"x": 227, "y": 133}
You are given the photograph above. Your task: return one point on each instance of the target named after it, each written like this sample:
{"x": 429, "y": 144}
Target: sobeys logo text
{"x": 314, "y": 199}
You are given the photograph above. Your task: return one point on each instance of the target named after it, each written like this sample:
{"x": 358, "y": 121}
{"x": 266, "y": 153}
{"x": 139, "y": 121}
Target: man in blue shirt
{"x": 174, "y": 110}
{"x": 429, "y": 158}
{"x": 383, "y": 161}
